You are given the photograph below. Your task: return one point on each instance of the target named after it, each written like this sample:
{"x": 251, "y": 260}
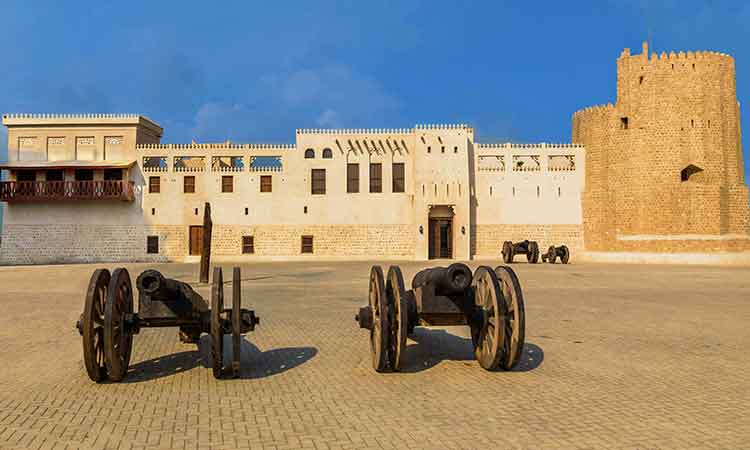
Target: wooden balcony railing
{"x": 43, "y": 191}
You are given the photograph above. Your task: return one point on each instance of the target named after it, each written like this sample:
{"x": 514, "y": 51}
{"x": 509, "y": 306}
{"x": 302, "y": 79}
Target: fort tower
{"x": 664, "y": 163}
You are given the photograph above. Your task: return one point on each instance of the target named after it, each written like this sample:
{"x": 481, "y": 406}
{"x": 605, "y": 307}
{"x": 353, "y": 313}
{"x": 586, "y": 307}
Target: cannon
{"x": 108, "y": 321}
{"x": 489, "y": 301}
{"x": 553, "y": 253}
{"x": 528, "y": 248}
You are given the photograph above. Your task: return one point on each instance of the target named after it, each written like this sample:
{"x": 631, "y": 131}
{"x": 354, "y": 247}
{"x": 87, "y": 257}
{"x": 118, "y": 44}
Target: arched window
{"x": 309, "y": 153}
{"x": 327, "y": 153}
{"x": 692, "y": 173}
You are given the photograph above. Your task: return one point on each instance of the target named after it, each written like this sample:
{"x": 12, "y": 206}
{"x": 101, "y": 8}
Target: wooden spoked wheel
{"x": 118, "y": 340}
{"x": 489, "y": 334}
{"x": 381, "y": 326}
{"x": 507, "y": 252}
{"x": 515, "y": 325}
{"x": 217, "y": 335}
{"x": 396, "y": 293}
{"x": 566, "y": 255}
{"x": 236, "y": 322}
{"x": 92, "y": 325}
{"x": 551, "y": 254}
{"x": 533, "y": 255}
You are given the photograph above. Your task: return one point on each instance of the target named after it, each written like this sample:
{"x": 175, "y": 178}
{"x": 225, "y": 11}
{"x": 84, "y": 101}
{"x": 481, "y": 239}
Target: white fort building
{"x": 83, "y": 188}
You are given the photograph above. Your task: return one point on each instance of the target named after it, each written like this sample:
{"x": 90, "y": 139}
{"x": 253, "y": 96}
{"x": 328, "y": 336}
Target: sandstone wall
{"x": 675, "y": 115}
{"x": 489, "y": 238}
{"x": 69, "y": 243}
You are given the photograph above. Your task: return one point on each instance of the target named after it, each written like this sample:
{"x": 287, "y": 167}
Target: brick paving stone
{"x": 617, "y": 356}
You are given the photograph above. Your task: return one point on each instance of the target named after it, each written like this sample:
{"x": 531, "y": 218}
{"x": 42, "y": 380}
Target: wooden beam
{"x": 206, "y": 245}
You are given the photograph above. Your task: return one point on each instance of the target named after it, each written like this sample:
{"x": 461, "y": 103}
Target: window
{"x": 248, "y": 245}
{"x": 307, "y": 244}
{"x": 55, "y": 175}
{"x": 623, "y": 123}
{"x": 376, "y": 177}
{"x": 113, "y": 175}
{"x": 152, "y": 244}
{"x": 227, "y": 183}
{"x": 398, "y": 177}
{"x": 691, "y": 172}
{"x": 327, "y": 153}
{"x": 455, "y": 149}
{"x": 188, "y": 184}
{"x": 352, "y": 178}
{"x": 154, "y": 185}
{"x": 309, "y": 153}
{"x": 318, "y": 181}
{"x": 26, "y": 175}
{"x": 640, "y": 80}
{"x": 429, "y": 149}
{"x": 266, "y": 183}
{"x": 442, "y": 149}
{"x": 84, "y": 175}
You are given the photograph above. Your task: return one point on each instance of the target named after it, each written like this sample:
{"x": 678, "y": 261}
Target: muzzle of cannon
{"x": 528, "y": 248}
{"x": 553, "y": 253}
{"x": 489, "y": 301}
{"x": 109, "y": 322}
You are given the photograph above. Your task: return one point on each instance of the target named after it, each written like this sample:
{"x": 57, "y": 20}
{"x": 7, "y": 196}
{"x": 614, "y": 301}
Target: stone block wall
{"x": 54, "y": 244}
{"x": 328, "y": 240}
{"x": 489, "y": 239}
{"x": 69, "y": 243}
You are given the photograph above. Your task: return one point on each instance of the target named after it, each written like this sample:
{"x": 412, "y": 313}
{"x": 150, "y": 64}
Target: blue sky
{"x": 255, "y": 71}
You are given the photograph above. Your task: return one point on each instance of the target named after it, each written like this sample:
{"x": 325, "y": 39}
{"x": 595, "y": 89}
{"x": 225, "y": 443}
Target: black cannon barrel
{"x": 158, "y": 287}
{"x": 451, "y": 280}
{"x": 153, "y": 283}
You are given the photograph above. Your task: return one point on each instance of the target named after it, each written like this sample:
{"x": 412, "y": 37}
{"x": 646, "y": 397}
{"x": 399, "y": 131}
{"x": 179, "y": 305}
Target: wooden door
{"x": 446, "y": 238}
{"x": 196, "y": 239}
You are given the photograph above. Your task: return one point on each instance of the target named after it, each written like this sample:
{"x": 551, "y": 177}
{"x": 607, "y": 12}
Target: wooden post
{"x": 206, "y": 244}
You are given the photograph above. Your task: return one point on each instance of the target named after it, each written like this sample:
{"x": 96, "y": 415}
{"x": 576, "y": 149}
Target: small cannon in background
{"x": 553, "y": 253}
{"x": 490, "y": 302}
{"x": 108, "y": 322}
{"x": 528, "y": 248}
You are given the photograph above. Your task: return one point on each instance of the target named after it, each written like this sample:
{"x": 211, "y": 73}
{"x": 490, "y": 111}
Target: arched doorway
{"x": 440, "y": 232}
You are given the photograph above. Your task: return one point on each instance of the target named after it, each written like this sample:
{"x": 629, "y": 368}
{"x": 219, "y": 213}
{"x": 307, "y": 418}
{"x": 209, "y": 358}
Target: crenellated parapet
{"x": 602, "y": 109}
{"x": 542, "y": 145}
{"x": 83, "y": 120}
{"x": 216, "y": 146}
{"x": 69, "y": 116}
{"x": 340, "y": 131}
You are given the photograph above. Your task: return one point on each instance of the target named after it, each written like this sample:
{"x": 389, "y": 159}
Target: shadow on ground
{"x": 434, "y": 346}
{"x": 255, "y": 362}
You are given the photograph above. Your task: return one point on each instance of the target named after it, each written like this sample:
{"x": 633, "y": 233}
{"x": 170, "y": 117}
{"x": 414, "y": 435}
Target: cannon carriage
{"x": 553, "y": 253}
{"x": 108, "y": 321}
{"x": 528, "y": 248}
{"x": 489, "y": 301}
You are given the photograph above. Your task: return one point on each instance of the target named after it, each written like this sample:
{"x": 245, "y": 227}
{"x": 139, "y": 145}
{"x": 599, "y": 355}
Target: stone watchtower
{"x": 664, "y": 163}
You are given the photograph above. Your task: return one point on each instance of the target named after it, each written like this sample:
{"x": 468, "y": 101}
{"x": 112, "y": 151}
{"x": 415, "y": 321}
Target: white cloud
{"x": 328, "y": 119}
{"x": 331, "y": 96}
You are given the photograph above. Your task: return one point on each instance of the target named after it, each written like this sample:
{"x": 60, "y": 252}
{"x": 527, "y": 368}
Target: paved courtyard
{"x": 617, "y": 356}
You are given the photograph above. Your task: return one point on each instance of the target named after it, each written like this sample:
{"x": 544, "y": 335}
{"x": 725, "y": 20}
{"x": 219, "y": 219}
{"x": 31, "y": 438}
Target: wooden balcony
{"x": 52, "y": 191}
